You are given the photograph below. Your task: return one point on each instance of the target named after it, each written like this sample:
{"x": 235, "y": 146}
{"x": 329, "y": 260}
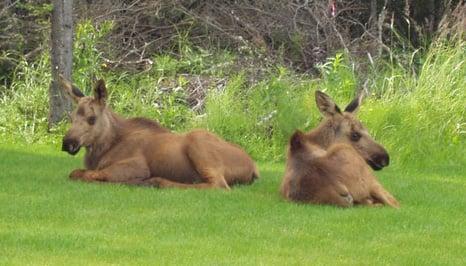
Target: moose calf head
{"x": 88, "y": 120}
{"x": 343, "y": 126}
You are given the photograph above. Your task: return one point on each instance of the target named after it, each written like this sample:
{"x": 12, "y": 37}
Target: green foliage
{"x": 193, "y": 60}
{"x": 36, "y": 9}
{"x": 24, "y": 106}
{"x": 339, "y": 79}
{"x": 412, "y": 114}
{"x": 423, "y": 115}
{"x": 166, "y": 65}
{"x": 87, "y": 59}
{"x": 415, "y": 114}
{"x": 150, "y": 96}
{"x": 262, "y": 117}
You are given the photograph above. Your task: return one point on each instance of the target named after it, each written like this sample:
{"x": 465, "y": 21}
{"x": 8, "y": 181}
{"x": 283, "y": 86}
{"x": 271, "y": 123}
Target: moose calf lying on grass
{"x": 329, "y": 165}
{"x": 141, "y": 152}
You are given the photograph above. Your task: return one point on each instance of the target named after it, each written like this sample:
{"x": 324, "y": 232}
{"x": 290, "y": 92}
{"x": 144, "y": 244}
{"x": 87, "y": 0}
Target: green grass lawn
{"x": 47, "y": 219}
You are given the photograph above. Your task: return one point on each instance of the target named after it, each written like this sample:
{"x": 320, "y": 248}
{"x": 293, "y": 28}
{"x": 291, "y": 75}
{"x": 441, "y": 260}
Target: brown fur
{"x": 141, "y": 152}
{"x": 328, "y": 166}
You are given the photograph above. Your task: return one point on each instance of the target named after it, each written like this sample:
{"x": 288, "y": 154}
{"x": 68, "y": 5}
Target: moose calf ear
{"x": 296, "y": 140}
{"x": 353, "y": 106}
{"x": 73, "y": 91}
{"x": 326, "y": 105}
{"x": 100, "y": 92}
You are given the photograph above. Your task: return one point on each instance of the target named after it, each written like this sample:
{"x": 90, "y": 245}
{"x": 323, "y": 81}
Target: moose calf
{"x": 330, "y": 164}
{"x": 139, "y": 151}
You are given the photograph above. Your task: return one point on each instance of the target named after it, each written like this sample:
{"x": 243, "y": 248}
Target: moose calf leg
{"x": 119, "y": 172}
{"x": 383, "y": 196}
{"x": 208, "y": 166}
{"x": 88, "y": 175}
{"x": 165, "y": 183}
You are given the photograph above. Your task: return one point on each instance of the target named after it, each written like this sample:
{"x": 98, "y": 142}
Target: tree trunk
{"x": 61, "y": 58}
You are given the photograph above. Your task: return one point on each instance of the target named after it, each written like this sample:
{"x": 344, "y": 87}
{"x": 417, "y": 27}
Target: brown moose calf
{"x": 330, "y": 164}
{"x": 141, "y": 152}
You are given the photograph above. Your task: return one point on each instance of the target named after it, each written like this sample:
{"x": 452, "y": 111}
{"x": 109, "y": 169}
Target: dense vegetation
{"x": 419, "y": 113}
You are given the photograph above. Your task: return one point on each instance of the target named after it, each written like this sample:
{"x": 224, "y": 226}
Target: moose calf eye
{"x": 355, "y": 136}
{"x": 91, "y": 120}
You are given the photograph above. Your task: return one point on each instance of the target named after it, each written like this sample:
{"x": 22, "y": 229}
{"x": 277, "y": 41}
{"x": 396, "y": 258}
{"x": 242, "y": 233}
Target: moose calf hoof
{"x": 395, "y": 204}
{"x": 77, "y": 174}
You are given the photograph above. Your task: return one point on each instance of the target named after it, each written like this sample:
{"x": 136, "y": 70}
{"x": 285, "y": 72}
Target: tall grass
{"x": 24, "y": 105}
{"x": 419, "y": 116}
{"x": 422, "y": 118}
{"x": 261, "y": 117}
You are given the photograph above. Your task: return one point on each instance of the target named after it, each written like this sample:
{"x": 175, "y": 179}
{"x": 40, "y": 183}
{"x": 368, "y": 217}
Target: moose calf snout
{"x": 383, "y": 159}
{"x": 386, "y": 160}
{"x": 70, "y": 145}
{"x": 379, "y": 161}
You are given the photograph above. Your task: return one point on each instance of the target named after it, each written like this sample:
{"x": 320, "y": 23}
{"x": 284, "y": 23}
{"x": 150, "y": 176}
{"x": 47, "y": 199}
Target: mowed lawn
{"x": 47, "y": 219}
